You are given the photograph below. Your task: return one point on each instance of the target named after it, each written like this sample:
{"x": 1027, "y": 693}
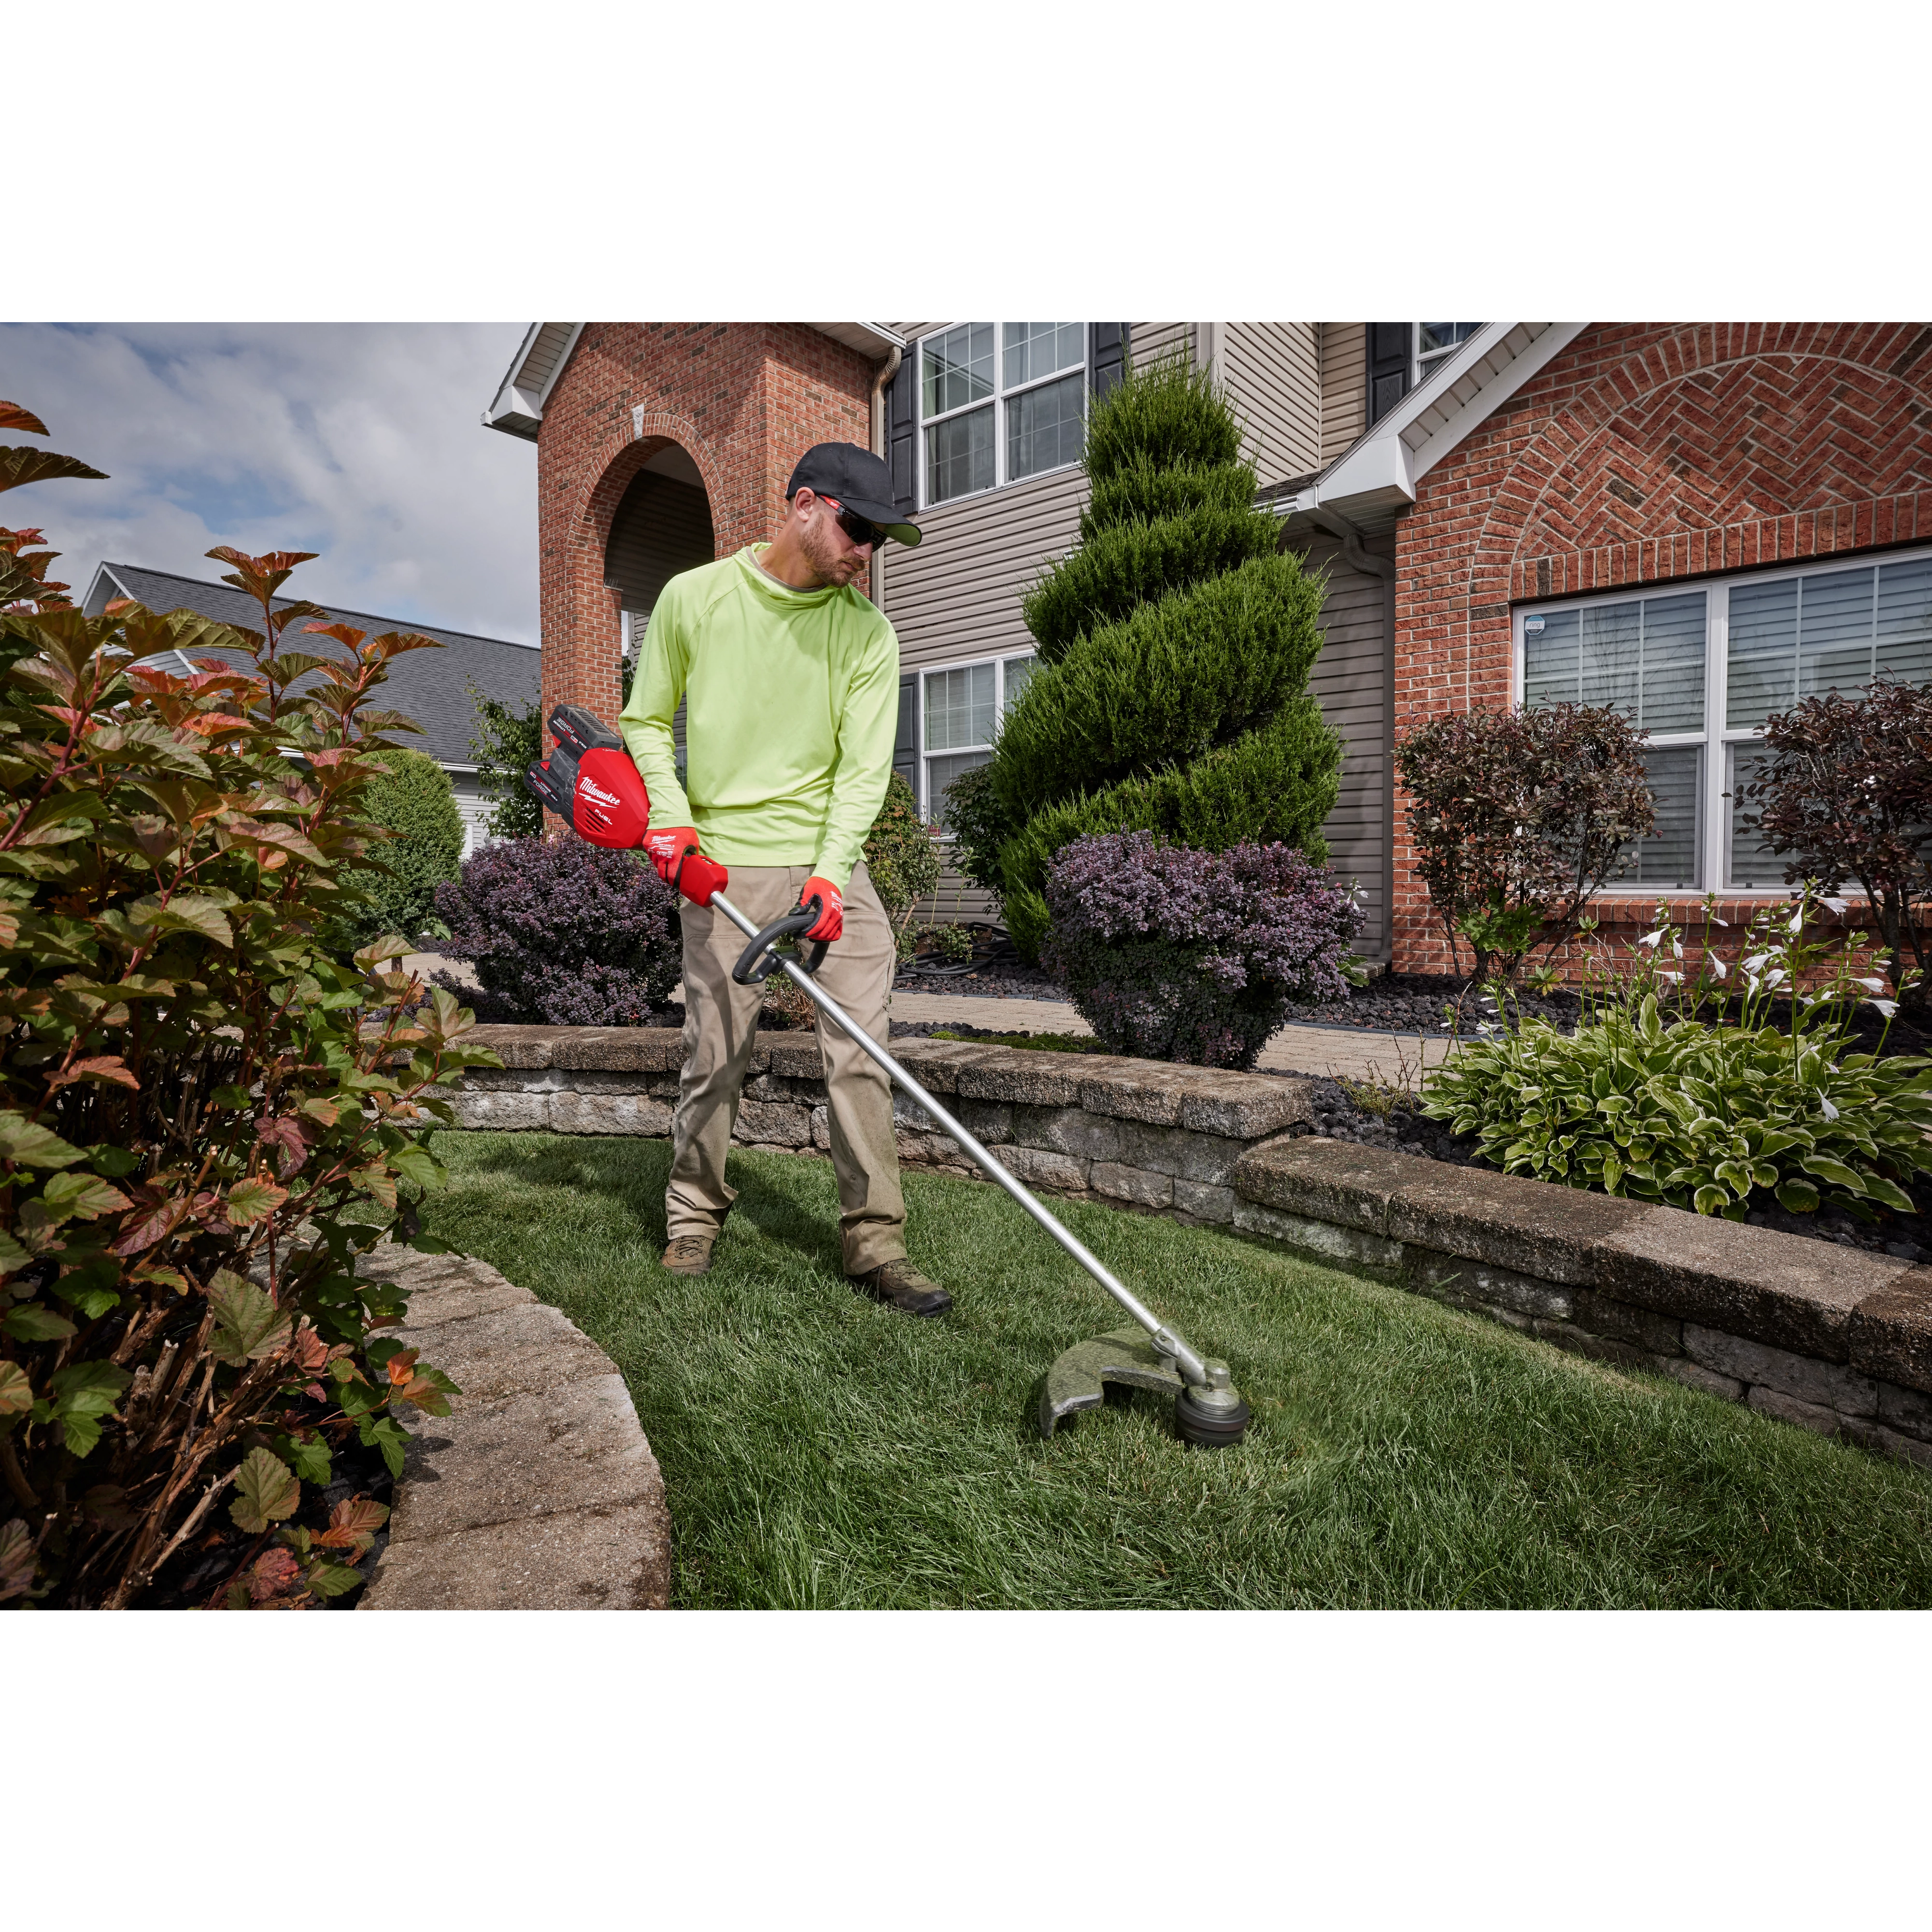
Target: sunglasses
{"x": 855, "y": 526}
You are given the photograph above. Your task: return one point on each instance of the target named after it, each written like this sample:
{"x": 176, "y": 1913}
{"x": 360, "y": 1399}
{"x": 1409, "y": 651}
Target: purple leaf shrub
{"x": 562, "y": 932}
{"x": 1172, "y": 954}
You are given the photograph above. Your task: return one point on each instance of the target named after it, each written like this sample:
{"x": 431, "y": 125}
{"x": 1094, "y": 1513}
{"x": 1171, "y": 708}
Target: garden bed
{"x": 820, "y": 1452}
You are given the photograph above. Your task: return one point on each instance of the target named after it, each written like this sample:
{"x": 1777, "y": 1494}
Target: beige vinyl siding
{"x": 1350, "y": 682}
{"x": 662, "y": 527}
{"x": 1345, "y": 386}
{"x": 956, "y": 598}
{"x": 1273, "y": 373}
{"x": 1148, "y": 341}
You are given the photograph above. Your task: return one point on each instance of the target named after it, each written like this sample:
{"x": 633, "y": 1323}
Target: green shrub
{"x": 508, "y": 743}
{"x": 205, "y": 1117}
{"x": 1699, "y": 1116}
{"x": 413, "y": 800}
{"x": 1175, "y": 647}
{"x": 1143, "y": 493}
{"x": 1127, "y": 565}
{"x": 1176, "y": 679}
{"x": 901, "y": 858}
{"x": 1273, "y": 786}
{"x": 1168, "y": 415}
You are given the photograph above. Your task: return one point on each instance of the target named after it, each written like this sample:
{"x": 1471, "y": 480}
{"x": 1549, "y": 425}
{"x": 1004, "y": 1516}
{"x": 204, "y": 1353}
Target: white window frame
{"x": 1717, "y": 739}
{"x": 1000, "y": 663}
{"x": 1423, "y": 364}
{"x": 997, "y": 402}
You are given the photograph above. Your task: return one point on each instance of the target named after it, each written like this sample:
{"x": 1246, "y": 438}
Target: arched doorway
{"x": 662, "y": 526}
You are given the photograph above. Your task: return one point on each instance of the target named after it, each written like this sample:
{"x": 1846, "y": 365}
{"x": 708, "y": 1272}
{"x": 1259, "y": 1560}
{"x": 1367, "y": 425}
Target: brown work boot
{"x": 901, "y": 1285}
{"x": 689, "y": 1254}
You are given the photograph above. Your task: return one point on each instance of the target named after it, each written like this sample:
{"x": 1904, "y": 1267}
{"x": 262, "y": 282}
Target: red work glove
{"x": 665, "y": 846}
{"x": 831, "y": 908}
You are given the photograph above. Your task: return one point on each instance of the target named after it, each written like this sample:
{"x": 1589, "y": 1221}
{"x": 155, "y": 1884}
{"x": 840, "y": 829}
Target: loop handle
{"x": 759, "y": 960}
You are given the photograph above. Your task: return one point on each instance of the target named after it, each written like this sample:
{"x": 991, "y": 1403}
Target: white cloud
{"x": 359, "y": 441}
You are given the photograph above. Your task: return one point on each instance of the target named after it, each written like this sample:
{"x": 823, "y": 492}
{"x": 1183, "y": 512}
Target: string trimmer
{"x": 1207, "y": 1409}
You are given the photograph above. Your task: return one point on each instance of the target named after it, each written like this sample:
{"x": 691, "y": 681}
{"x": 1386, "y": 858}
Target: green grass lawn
{"x": 820, "y": 1451}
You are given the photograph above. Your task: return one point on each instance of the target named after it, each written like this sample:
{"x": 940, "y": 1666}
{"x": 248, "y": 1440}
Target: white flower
{"x": 1837, "y": 905}
{"x": 1797, "y": 925}
{"x": 1872, "y": 985}
{"x": 1887, "y": 1007}
{"x": 1651, "y": 938}
{"x": 1718, "y": 966}
{"x": 1756, "y": 960}
{"x": 1831, "y": 1112}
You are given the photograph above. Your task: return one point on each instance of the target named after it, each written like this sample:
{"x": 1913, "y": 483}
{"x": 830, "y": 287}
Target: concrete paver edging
{"x": 1830, "y": 1338}
{"x": 538, "y": 1491}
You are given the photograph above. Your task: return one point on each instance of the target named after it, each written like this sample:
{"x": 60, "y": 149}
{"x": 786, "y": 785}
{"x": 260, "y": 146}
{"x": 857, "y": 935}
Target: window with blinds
{"x": 1699, "y": 671}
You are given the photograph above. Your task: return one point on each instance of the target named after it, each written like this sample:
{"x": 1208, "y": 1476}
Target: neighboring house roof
{"x": 1375, "y": 479}
{"x": 428, "y": 686}
{"x": 517, "y": 408}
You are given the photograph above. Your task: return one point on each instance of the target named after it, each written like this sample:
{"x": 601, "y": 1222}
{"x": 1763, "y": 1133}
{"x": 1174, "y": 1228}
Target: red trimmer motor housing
{"x": 590, "y": 783}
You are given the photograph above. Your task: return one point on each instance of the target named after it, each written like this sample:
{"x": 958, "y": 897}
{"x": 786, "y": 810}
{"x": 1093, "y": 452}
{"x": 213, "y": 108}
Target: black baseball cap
{"x": 858, "y": 480}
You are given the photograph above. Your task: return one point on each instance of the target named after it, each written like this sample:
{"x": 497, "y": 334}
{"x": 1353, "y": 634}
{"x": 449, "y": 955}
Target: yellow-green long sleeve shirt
{"x": 791, "y": 706}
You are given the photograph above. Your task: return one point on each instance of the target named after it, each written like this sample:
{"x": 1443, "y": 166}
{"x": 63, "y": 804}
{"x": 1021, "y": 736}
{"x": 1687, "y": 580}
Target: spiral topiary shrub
{"x": 563, "y": 932}
{"x": 1174, "y": 955}
{"x": 1175, "y": 645}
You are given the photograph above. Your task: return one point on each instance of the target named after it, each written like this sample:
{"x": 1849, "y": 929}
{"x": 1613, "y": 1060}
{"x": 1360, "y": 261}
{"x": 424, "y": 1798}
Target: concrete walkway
{"x": 1396, "y": 1059}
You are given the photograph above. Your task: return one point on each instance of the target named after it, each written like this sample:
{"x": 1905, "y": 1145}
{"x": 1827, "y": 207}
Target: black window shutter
{"x": 901, "y": 432}
{"x": 905, "y": 746}
{"x": 1388, "y": 365}
{"x": 1106, "y": 354}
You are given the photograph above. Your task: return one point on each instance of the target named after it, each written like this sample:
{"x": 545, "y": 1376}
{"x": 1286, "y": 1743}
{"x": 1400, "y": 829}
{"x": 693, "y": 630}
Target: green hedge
{"x": 415, "y": 801}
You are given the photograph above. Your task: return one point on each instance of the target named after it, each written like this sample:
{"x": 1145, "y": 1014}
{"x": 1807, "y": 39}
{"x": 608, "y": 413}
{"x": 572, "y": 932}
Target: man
{"x": 790, "y": 681}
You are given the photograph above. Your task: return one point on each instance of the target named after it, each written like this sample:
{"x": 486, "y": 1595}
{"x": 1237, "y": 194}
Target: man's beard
{"x": 829, "y": 564}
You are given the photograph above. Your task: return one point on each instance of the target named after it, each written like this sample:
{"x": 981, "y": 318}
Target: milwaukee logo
{"x": 590, "y": 789}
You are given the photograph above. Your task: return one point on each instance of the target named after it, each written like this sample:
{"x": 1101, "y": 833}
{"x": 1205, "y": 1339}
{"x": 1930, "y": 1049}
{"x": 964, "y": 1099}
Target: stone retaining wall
{"x": 1831, "y": 1338}
{"x": 1125, "y": 1131}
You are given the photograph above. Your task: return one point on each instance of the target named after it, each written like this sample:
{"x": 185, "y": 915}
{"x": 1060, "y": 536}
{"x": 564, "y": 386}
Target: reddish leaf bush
{"x": 1845, "y": 786}
{"x": 563, "y": 932}
{"x": 1517, "y": 818}
{"x": 1170, "y": 954}
{"x": 205, "y": 1117}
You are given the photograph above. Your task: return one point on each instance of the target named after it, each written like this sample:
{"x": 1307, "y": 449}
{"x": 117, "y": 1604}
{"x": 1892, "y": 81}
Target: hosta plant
{"x": 204, "y": 1116}
{"x": 1700, "y": 1116}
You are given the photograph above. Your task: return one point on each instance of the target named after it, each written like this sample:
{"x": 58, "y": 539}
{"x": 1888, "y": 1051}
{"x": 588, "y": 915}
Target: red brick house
{"x": 1700, "y": 522}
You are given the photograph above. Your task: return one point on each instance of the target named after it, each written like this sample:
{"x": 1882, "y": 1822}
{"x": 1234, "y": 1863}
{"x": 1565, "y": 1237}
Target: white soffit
{"x": 871, "y": 339}
{"x": 1378, "y": 475}
{"x": 517, "y": 406}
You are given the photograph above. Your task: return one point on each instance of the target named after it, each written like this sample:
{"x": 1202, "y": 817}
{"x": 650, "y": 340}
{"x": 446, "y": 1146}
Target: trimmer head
{"x": 1215, "y": 1416}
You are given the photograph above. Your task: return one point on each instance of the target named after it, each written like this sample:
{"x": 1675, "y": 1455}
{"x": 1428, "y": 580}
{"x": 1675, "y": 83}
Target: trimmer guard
{"x": 1078, "y": 1379}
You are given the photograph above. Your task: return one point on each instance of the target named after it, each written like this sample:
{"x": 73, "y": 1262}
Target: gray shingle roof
{"x": 425, "y": 685}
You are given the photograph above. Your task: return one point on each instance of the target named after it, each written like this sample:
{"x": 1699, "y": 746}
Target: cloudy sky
{"x": 359, "y": 441}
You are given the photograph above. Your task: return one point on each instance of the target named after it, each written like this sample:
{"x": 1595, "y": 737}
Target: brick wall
{"x": 1646, "y": 453}
{"x": 745, "y": 400}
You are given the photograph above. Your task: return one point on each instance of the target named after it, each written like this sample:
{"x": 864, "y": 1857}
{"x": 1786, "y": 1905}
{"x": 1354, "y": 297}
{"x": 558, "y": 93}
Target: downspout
{"x": 1359, "y": 560}
{"x": 880, "y": 383}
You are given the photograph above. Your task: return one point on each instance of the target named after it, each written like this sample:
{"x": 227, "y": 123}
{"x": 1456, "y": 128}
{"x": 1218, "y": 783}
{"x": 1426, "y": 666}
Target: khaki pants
{"x": 721, "y": 1021}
